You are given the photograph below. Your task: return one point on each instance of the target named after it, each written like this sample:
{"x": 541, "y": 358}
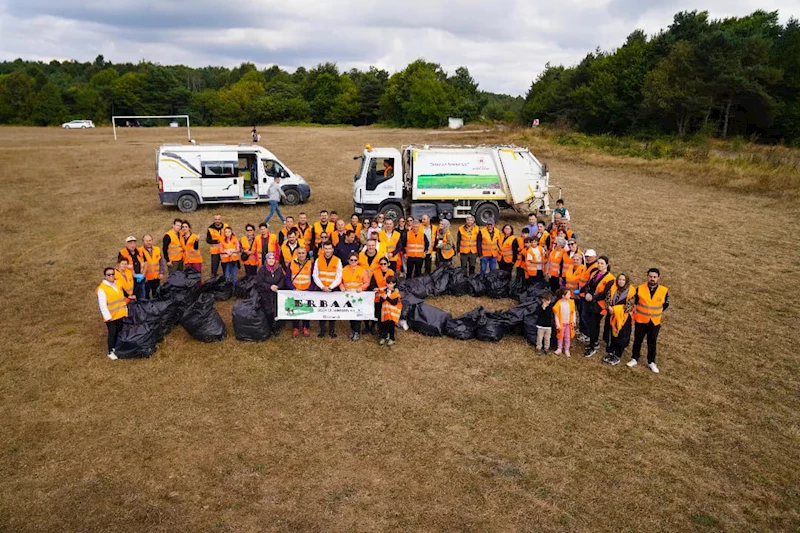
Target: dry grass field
{"x": 435, "y": 435}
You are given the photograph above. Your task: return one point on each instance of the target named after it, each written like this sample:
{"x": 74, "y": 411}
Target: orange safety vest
{"x": 489, "y": 243}
{"x": 507, "y": 249}
{"x": 415, "y": 243}
{"x": 469, "y": 240}
{"x": 390, "y": 244}
{"x": 336, "y": 238}
{"x": 353, "y": 278}
{"x": 272, "y": 246}
{"x": 115, "y": 301}
{"x": 251, "y": 249}
{"x": 574, "y": 276}
{"x": 389, "y": 311}
{"x": 124, "y": 281}
{"x": 127, "y": 255}
{"x": 554, "y": 262}
{"x": 175, "y": 250}
{"x": 534, "y": 261}
{"x": 558, "y": 320}
{"x": 370, "y": 264}
{"x": 305, "y": 235}
{"x": 601, "y": 286}
{"x": 432, "y": 240}
{"x": 586, "y": 276}
{"x": 380, "y": 280}
{"x": 521, "y": 253}
{"x": 217, "y": 235}
{"x": 327, "y": 270}
{"x": 447, "y": 254}
{"x": 356, "y": 230}
{"x": 190, "y": 255}
{"x": 301, "y": 275}
{"x": 229, "y": 245}
{"x": 618, "y": 317}
{"x": 152, "y": 262}
{"x": 542, "y": 239}
{"x": 318, "y": 230}
{"x": 649, "y": 308}
{"x": 287, "y": 254}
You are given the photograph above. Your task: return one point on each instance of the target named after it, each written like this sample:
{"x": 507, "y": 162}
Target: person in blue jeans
{"x": 275, "y": 193}
{"x": 488, "y": 246}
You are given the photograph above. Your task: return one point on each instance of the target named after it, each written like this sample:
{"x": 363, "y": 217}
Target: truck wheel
{"x": 485, "y": 212}
{"x": 187, "y": 203}
{"x": 392, "y": 211}
{"x": 292, "y": 197}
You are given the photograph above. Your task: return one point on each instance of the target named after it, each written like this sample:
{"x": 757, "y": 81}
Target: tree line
{"x": 422, "y": 95}
{"x": 736, "y": 76}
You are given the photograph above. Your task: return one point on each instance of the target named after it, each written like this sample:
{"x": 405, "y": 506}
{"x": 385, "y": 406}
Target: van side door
{"x": 220, "y": 176}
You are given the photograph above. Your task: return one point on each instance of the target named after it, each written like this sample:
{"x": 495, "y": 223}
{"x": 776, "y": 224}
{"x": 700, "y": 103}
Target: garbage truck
{"x": 450, "y": 182}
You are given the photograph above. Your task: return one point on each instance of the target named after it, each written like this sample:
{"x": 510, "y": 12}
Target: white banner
{"x": 318, "y": 305}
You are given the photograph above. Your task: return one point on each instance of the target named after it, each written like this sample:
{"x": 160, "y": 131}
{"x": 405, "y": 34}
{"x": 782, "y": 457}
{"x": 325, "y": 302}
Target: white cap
{"x": 131, "y": 238}
{"x": 589, "y": 252}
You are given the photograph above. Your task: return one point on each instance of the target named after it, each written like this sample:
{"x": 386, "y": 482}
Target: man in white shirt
{"x": 327, "y": 276}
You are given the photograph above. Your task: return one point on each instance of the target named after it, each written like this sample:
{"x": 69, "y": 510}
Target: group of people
{"x": 363, "y": 254}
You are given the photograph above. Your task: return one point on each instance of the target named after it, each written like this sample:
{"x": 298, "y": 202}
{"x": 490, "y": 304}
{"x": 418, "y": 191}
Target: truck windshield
{"x": 362, "y": 161}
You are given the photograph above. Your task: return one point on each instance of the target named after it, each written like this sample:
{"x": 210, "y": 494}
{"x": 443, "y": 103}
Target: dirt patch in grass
{"x": 435, "y": 434}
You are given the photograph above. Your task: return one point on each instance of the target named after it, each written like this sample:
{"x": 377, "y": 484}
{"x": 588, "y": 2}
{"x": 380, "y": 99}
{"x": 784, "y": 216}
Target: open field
{"x": 437, "y": 434}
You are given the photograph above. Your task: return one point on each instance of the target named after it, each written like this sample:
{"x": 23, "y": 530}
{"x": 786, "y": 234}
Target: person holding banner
{"x": 354, "y": 278}
{"x": 298, "y": 278}
{"x": 269, "y": 281}
{"x": 327, "y": 277}
{"x": 391, "y": 308}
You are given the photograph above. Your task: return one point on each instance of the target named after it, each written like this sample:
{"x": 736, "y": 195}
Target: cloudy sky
{"x": 504, "y": 43}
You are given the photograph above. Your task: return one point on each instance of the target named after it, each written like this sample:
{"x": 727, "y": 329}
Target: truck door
{"x": 220, "y": 176}
{"x": 381, "y": 182}
{"x": 523, "y": 175}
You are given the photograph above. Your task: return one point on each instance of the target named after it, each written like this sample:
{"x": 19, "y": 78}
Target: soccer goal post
{"x": 136, "y": 117}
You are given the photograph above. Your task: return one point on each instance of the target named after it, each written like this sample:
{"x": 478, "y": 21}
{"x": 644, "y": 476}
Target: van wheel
{"x": 392, "y": 211}
{"x": 292, "y": 197}
{"x": 187, "y": 203}
{"x": 485, "y": 212}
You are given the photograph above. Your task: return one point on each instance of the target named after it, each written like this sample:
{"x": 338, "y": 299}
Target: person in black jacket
{"x": 269, "y": 281}
{"x": 346, "y": 246}
{"x": 597, "y": 289}
{"x": 544, "y": 324}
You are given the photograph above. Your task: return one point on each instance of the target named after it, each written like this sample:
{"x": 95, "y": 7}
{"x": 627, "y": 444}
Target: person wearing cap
{"x": 113, "y": 306}
{"x": 134, "y": 259}
{"x": 174, "y": 247}
{"x": 651, "y": 300}
{"x": 488, "y": 246}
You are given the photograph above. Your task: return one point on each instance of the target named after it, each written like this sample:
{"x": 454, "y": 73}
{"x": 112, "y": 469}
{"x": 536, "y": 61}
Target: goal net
{"x": 137, "y": 121}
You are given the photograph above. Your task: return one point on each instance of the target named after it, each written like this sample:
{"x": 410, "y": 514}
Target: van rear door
{"x": 220, "y": 176}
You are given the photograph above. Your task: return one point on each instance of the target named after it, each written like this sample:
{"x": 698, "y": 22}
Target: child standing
{"x": 544, "y": 324}
{"x": 391, "y": 307}
{"x": 564, "y": 319}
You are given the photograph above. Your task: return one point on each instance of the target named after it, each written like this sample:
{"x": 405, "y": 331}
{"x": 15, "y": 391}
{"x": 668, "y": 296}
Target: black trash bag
{"x": 421, "y": 287}
{"x": 534, "y": 292}
{"x": 492, "y": 328}
{"x": 160, "y": 315}
{"x": 516, "y": 317}
{"x": 250, "y": 320}
{"x": 458, "y": 284}
{"x": 409, "y": 302}
{"x": 516, "y": 287}
{"x": 428, "y": 320}
{"x": 441, "y": 279}
{"x": 529, "y": 322}
{"x": 463, "y": 328}
{"x": 219, "y": 287}
{"x": 477, "y": 285}
{"x": 244, "y": 286}
{"x": 136, "y": 340}
{"x": 496, "y": 283}
{"x": 181, "y": 286}
{"x": 202, "y": 321}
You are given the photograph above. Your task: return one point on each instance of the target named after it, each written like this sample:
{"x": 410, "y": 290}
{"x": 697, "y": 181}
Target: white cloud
{"x": 505, "y": 43}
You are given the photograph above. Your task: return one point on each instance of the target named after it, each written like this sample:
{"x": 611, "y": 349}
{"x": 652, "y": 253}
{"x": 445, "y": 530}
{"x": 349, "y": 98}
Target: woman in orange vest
{"x": 377, "y": 283}
{"x": 445, "y": 244}
{"x": 596, "y": 290}
{"x": 113, "y": 306}
{"x": 354, "y": 278}
{"x": 619, "y": 304}
{"x": 229, "y": 253}
{"x": 250, "y": 252}
{"x": 192, "y": 259}
{"x": 535, "y": 260}
{"x": 509, "y": 249}
{"x": 391, "y": 308}
{"x": 298, "y": 278}
{"x": 573, "y": 277}
{"x": 123, "y": 277}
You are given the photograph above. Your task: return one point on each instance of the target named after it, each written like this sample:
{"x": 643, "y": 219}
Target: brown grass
{"x": 434, "y": 435}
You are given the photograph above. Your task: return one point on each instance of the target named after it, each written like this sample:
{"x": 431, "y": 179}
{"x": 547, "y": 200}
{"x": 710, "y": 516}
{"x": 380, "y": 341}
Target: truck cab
{"x": 378, "y": 183}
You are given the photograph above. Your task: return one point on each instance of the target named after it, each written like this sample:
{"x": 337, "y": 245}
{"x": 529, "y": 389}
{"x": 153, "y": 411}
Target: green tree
{"x": 16, "y": 97}
{"x": 48, "y": 107}
{"x": 127, "y": 94}
{"x": 467, "y": 100}
{"x": 417, "y": 96}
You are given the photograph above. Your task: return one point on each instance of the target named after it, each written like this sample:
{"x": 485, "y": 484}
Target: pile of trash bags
{"x": 479, "y": 323}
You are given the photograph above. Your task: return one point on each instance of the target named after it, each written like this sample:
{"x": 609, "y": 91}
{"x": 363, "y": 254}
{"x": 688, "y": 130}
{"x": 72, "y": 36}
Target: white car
{"x": 81, "y": 124}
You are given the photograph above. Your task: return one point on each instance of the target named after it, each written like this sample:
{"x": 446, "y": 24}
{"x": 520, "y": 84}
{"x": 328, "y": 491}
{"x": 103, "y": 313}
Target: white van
{"x": 189, "y": 175}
